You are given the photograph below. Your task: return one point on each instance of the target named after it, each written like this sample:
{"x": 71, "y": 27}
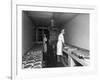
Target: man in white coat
{"x": 60, "y": 44}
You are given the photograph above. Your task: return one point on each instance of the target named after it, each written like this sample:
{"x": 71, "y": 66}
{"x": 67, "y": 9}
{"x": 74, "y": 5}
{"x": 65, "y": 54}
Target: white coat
{"x": 60, "y": 44}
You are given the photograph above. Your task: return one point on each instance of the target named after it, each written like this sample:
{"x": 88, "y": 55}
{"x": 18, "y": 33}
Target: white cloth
{"x": 60, "y": 44}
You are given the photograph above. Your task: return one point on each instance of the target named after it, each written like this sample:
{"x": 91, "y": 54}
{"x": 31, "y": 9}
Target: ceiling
{"x": 44, "y": 18}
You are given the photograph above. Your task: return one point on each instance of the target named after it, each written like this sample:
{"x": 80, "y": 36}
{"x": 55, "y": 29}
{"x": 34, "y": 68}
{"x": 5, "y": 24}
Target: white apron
{"x": 44, "y": 44}
{"x": 60, "y": 44}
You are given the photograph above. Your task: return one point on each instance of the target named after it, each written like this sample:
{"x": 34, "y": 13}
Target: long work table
{"x": 76, "y": 55}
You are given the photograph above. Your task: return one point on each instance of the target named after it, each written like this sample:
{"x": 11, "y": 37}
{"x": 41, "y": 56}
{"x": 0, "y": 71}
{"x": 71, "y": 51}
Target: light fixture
{"x": 52, "y": 20}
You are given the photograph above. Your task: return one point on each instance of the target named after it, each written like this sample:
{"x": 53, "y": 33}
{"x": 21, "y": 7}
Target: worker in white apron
{"x": 44, "y": 44}
{"x": 44, "y": 49}
{"x": 60, "y": 45}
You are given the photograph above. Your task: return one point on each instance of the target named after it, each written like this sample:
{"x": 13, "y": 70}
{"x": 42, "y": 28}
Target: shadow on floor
{"x": 51, "y": 58}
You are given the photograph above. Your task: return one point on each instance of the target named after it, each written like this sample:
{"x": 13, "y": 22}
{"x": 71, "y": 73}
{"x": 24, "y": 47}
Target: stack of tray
{"x": 32, "y": 60}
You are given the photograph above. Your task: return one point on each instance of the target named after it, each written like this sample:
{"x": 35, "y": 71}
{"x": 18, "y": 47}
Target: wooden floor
{"x": 51, "y": 59}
